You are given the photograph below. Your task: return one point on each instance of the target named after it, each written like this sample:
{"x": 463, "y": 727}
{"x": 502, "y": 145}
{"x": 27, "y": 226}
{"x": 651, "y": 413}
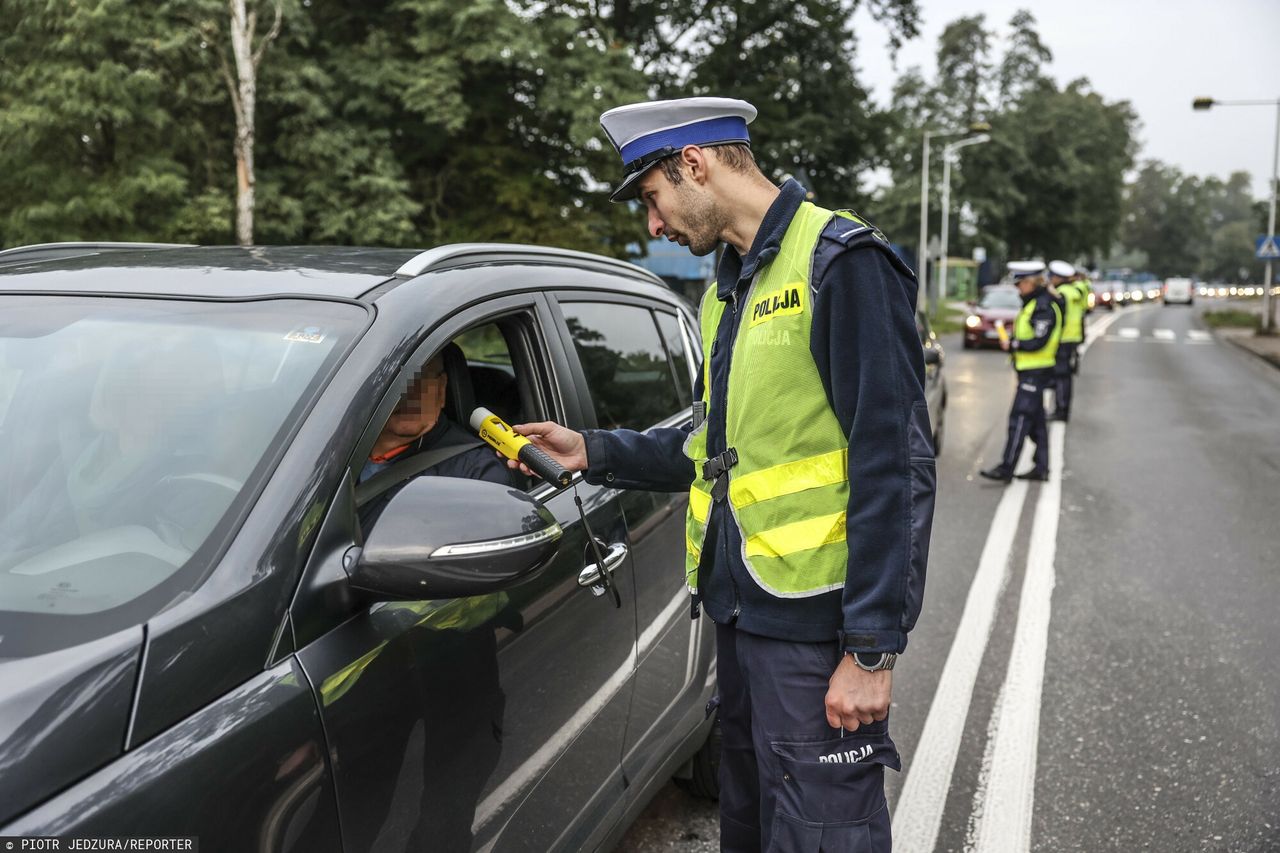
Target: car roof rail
{"x": 458, "y": 254}
{"x": 51, "y": 251}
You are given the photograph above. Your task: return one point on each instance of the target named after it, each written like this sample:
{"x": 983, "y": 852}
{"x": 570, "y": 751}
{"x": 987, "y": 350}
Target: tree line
{"x": 420, "y": 122}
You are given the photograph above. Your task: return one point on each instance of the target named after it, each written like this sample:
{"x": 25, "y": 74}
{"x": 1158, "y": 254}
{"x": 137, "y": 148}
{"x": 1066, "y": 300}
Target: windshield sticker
{"x": 307, "y": 335}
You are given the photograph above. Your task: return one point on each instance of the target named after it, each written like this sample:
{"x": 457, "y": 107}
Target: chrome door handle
{"x": 590, "y": 574}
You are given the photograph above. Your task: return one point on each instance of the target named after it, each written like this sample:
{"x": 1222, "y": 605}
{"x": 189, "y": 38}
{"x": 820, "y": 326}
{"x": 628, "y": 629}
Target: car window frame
{"x": 553, "y": 398}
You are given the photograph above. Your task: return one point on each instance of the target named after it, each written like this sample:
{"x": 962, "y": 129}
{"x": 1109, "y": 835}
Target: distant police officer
{"x": 1074, "y": 291}
{"x": 1036, "y": 334}
{"x": 810, "y": 474}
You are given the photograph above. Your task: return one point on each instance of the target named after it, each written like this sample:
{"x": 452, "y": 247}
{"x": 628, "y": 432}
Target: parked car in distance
{"x": 999, "y": 303}
{"x": 1179, "y": 290}
{"x": 212, "y": 625}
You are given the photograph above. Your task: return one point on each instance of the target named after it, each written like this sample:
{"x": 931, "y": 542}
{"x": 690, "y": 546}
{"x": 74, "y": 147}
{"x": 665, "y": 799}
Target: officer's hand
{"x": 856, "y": 697}
{"x": 562, "y": 444}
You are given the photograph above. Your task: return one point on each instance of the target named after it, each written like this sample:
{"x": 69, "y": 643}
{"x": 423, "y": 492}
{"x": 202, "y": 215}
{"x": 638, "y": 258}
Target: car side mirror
{"x": 446, "y": 537}
{"x": 932, "y": 355}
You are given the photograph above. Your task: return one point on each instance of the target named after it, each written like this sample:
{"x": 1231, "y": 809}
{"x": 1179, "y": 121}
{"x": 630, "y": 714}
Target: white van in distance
{"x": 1179, "y": 290}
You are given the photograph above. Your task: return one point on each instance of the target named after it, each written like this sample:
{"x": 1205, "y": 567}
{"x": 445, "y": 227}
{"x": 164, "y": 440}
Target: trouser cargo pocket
{"x": 831, "y": 793}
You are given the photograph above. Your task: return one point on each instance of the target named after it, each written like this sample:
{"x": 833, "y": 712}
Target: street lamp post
{"x": 922, "y": 260}
{"x": 948, "y": 154}
{"x": 1268, "y": 303}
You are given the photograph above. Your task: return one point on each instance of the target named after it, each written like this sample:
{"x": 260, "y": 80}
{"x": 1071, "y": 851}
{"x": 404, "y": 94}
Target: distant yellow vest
{"x": 789, "y": 491}
{"x": 1077, "y": 303}
{"x": 1022, "y": 331}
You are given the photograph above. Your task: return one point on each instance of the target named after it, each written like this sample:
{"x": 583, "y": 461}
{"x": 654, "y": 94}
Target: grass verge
{"x": 949, "y": 320}
{"x": 1232, "y": 318}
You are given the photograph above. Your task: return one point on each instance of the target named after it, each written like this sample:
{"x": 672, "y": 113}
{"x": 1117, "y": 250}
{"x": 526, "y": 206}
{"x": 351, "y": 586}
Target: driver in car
{"x": 418, "y": 424}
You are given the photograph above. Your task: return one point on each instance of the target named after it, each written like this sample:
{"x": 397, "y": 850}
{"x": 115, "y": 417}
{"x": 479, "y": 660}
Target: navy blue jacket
{"x": 867, "y": 351}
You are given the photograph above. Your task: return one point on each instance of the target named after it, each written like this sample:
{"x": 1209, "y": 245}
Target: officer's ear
{"x": 693, "y": 160}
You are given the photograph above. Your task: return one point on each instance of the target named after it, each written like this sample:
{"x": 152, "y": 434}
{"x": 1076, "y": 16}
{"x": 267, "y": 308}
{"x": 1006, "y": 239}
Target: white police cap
{"x": 1024, "y": 269}
{"x": 1062, "y": 269}
{"x": 650, "y": 131}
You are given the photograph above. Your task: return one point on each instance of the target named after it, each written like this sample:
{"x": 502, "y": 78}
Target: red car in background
{"x": 999, "y": 303}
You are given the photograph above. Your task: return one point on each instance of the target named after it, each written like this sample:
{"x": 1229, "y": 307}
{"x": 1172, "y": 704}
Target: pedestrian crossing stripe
{"x": 1160, "y": 336}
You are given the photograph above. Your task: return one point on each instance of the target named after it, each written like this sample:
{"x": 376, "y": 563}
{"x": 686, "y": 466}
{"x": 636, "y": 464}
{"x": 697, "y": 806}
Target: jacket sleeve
{"x": 867, "y": 350}
{"x": 1043, "y": 320}
{"x": 652, "y": 460}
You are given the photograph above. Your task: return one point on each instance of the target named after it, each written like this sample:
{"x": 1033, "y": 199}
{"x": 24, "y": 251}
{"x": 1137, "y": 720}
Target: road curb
{"x": 1234, "y": 340}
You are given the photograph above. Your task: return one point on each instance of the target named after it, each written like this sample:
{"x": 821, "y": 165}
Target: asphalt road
{"x": 1096, "y": 667}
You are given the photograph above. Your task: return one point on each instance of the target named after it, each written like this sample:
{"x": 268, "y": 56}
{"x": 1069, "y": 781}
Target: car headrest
{"x": 460, "y": 396}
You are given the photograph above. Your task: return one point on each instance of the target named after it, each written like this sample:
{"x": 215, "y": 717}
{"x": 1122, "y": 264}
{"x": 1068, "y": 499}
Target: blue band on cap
{"x": 725, "y": 129}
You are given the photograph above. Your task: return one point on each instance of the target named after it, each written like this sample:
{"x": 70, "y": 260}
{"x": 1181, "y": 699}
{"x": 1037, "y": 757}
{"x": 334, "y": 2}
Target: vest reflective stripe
{"x": 1077, "y": 302}
{"x": 789, "y": 478}
{"x": 798, "y": 536}
{"x": 789, "y": 492}
{"x": 700, "y": 504}
{"x": 1022, "y": 330}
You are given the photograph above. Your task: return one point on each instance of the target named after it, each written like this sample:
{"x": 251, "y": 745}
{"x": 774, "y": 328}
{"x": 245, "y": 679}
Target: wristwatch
{"x": 874, "y": 661}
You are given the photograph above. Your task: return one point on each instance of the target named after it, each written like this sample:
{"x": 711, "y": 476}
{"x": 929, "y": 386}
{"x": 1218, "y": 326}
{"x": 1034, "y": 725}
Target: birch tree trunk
{"x": 243, "y": 87}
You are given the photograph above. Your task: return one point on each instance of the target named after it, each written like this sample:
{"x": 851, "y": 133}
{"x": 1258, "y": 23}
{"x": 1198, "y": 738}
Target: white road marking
{"x": 1097, "y": 330}
{"x": 1129, "y": 332}
{"x": 1164, "y": 335}
{"x": 918, "y": 812}
{"x": 1199, "y": 336}
{"x": 1004, "y": 806}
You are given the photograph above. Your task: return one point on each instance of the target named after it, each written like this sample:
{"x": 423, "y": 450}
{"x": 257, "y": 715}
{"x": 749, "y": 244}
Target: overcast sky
{"x": 1156, "y": 55}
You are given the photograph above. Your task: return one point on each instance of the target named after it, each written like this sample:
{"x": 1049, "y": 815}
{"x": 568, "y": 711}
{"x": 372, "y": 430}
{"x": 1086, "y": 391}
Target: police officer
{"x": 810, "y": 474}
{"x": 1036, "y": 333}
{"x": 1074, "y": 292}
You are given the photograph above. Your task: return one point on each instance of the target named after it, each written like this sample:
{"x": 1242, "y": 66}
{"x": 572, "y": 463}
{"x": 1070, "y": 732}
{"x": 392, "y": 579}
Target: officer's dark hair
{"x": 736, "y": 155}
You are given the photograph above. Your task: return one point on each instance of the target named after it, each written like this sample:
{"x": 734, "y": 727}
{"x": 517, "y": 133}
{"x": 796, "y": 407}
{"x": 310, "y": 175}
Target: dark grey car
{"x": 200, "y": 637}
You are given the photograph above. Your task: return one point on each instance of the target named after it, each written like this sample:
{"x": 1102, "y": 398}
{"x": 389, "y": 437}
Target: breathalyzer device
{"x": 1003, "y": 333}
{"x": 511, "y": 444}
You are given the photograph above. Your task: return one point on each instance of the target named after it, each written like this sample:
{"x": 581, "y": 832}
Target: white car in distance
{"x": 1179, "y": 290}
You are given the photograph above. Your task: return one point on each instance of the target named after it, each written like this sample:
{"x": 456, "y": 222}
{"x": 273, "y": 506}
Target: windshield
{"x": 1001, "y": 298}
{"x": 129, "y": 430}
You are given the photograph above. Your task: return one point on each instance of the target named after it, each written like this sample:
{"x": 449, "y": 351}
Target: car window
{"x": 1001, "y": 298}
{"x": 670, "y": 328}
{"x": 130, "y": 430}
{"x": 625, "y": 363}
{"x": 489, "y": 365}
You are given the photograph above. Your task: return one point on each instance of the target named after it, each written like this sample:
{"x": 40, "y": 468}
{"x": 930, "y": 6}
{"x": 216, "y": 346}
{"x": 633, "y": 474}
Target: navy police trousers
{"x": 1027, "y": 419}
{"x": 789, "y": 783}
{"x": 1063, "y": 373}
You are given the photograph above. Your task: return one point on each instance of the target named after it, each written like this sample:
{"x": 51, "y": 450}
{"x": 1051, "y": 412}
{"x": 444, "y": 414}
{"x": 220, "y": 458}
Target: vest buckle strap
{"x": 717, "y": 465}
{"x": 716, "y": 468}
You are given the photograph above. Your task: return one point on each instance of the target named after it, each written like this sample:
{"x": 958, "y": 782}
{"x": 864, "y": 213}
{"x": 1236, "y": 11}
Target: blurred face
{"x": 684, "y": 213}
{"x": 420, "y": 407}
{"x": 1028, "y": 284}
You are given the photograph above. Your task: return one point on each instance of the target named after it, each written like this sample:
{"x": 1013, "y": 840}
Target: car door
{"x": 490, "y": 722}
{"x": 636, "y": 359}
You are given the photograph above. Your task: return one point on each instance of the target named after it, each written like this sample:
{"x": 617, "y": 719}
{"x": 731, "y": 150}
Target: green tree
{"x": 92, "y": 123}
